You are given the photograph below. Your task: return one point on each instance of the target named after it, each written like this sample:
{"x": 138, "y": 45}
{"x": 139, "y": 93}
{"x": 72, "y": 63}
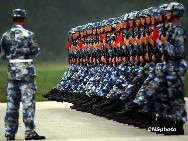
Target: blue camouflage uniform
{"x": 174, "y": 71}
{"x": 143, "y": 93}
{"x": 19, "y": 43}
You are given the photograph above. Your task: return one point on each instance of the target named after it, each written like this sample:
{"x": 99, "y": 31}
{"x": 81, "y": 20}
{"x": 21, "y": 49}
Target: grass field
{"x": 48, "y": 75}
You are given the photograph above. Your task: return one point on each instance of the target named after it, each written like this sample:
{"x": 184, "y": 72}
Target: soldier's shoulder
{"x": 30, "y": 33}
{"x": 159, "y": 25}
{"x": 179, "y": 30}
{"x": 6, "y": 33}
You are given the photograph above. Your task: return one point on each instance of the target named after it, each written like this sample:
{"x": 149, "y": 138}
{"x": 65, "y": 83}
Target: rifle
{"x": 98, "y": 54}
{"x": 143, "y": 45}
{"x": 165, "y": 53}
{"x": 69, "y": 57}
{"x": 164, "y": 30}
{"x": 144, "y": 34}
{"x": 148, "y": 32}
{"x": 106, "y": 38}
{"x": 121, "y": 51}
{"x": 139, "y": 34}
{"x": 84, "y": 41}
{"x": 127, "y": 53}
{"x": 133, "y": 34}
{"x": 132, "y": 46}
{"x": 123, "y": 34}
{"x": 92, "y": 40}
{"x": 114, "y": 51}
{"x": 98, "y": 41}
{"x": 149, "y": 45}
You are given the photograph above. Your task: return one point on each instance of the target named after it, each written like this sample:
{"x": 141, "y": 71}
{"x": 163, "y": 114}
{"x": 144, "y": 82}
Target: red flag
{"x": 68, "y": 44}
{"x": 154, "y": 34}
{"x": 80, "y": 44}
{"x": 101, "y": 38}
{"x": 119, "y": 38}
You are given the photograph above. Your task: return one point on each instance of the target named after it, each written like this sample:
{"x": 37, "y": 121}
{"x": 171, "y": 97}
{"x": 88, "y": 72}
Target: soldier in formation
{"x": 130, "y": 69}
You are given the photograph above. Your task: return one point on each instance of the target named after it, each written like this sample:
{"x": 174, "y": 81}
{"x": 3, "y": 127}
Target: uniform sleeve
{"x": 34, "y": 48}
{"x": 179, "y": 38}
{"x": 160, "y": 46}
{"x": 2, "y": 50}
{"x": 176, "y": 46}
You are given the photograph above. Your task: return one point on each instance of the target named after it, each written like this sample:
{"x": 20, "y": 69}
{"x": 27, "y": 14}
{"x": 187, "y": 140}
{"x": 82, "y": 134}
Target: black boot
{"x": 150, "y": 121}
{"x": 80, "y": 104}
{"x": 35, "y": 137}
{"x": 54, "y": 97}
{"x": 111, "y": 110}
{"x": 176, "y": 129}
{"x": 50, "y": 93}
{"x": 82, "y": 98}
{"x": 161, "y": 123}
{"x": 86, "y": 100}
{"x": 87, "y": 107}
{"x": 105, "y": 104}
{"x": 111, "y": 115}
{"x": 99, "y": 112}
{"x": 100, "y": 102}
{"x": 138, "y": 119}
{"x": 73, "y": 99}
{"x": 79, "y": 99}
{"x": 93, "y": 101}
{"x": 10, "y": 137}
{"x": 127, "y": 120}
{"x": 114, "y": 106}
{"x": 77, "y": 104}
{"x": 121, "y": 119}
{"x": 67, "y": 96}
{"x": 59, "y": 99}
{"x": 134, "y": 107}
{"x": 143, "y": 119}
{"x": 121, "y": 114}
{"x": 133, "y": 117}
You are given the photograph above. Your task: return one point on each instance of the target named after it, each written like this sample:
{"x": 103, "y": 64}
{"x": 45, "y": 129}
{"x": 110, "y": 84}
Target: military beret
{"x": 96, "y": 25}
{"x": 19, "y": 13}
{"x": 176, "y": 8}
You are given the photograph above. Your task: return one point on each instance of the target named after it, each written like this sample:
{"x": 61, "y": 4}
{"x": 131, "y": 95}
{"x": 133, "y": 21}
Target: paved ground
{"x": 60, "y": 123}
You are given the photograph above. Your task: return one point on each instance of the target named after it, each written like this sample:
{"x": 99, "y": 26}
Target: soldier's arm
{"x": 160, "y": 45}
{"x": 2, "y": 50}
{"x": 34, "y": 48}
{"x": 177, "y": 43}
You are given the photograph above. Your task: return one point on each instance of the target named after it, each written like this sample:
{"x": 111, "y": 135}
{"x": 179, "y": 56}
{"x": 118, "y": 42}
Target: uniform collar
{"x": 176, "y": 24}
{"x": 17, "y": 26}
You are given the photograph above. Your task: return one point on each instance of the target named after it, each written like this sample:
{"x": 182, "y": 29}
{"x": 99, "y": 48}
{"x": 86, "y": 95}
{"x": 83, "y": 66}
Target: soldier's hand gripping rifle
{"x": 106, "y": 55}
{"x": 127, "y": 53}
{"x": 68, "y": 48}
{"x": 143, "y": 46}
{"x": 134, "y": 53}
{"x": 139, "y": 51}
{"x": 164, "y": 50}
{"x": 121, "y": 51}
{"x": 149, "y": 45}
